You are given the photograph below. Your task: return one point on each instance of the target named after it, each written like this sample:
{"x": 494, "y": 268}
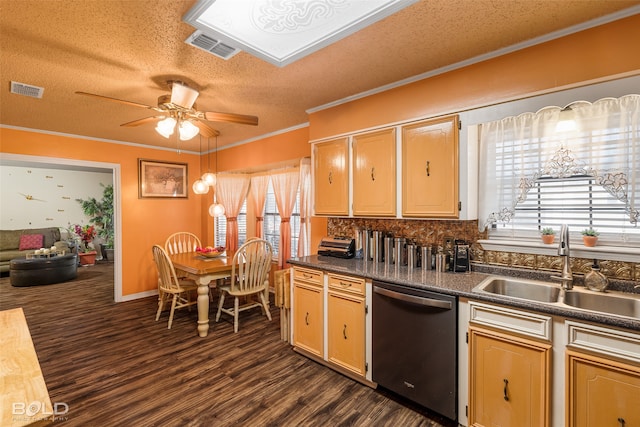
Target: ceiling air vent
{"x": 211, "y": 45}
{"x": 27, "y": 90}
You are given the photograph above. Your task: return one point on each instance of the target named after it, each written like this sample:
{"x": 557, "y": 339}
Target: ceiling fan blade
{"x": 230, "y": 117}
{"x": 121, "y": 101}
{"x": 182, "y": 95}
{"x": 142, "y": 121}
{"x": 205, "y": 130}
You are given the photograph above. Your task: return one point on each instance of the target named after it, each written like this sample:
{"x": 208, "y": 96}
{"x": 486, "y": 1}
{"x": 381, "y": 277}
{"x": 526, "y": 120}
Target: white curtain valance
{"x": 604, "y": 142}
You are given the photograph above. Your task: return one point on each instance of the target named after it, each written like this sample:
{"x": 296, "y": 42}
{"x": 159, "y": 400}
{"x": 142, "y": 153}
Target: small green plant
{"x": 590, "y": 232}
{"x": 100, "y": 213}
{"x": 547, "y": 231}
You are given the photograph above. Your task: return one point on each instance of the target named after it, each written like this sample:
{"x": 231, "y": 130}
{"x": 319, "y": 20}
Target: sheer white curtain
{"x": 304, "y": 239}
{"x": 259, "y": 187}
{"x": 603, "y": 143}
{"x": 285, "y": 189}
{"x": 231, "y": 190}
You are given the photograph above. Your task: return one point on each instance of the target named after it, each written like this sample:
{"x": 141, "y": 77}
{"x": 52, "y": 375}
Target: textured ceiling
{"x": 128, "y": 49}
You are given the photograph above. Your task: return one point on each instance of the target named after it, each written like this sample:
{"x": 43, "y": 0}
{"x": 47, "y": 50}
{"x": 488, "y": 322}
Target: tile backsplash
{"x": 435, "y": 232}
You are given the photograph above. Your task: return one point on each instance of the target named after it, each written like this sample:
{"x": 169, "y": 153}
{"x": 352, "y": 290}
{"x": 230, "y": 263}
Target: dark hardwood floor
{"x": 114, "y": 365}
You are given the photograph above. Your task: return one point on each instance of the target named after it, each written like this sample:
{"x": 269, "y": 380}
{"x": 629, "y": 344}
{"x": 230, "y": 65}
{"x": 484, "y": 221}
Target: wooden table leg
{"x": 203, "y": 307}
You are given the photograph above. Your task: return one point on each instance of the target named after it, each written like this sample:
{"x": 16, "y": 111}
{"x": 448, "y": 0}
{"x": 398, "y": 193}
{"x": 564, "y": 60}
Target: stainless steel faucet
{"x": 565, "y": 252}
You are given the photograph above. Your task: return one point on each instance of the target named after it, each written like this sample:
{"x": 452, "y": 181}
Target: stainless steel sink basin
{"x": 520, "y": 288}
{"x": 605, "y": 303}
{"x": 613, "y": 303}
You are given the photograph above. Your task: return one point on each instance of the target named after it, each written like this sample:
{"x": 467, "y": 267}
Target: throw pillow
{"x": 31, "y": 241}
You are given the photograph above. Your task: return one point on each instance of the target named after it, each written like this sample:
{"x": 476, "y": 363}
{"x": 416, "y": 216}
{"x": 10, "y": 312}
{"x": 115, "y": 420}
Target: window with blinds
{"x": 220, "y": 224}
{"x": 578, "y": 200}
{"x": 271, "y": 225}
{"x": 576, "y": 181}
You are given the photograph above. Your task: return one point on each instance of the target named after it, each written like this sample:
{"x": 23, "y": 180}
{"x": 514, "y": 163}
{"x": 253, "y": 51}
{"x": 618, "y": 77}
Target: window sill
{"x": 613, "y": 253}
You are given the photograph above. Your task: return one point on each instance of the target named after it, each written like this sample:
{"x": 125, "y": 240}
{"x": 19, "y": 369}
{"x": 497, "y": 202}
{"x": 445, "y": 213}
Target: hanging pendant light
{"x": 200, "y": 187}
{"x": 216, "y": 210}
{"x": 209, "y": 177}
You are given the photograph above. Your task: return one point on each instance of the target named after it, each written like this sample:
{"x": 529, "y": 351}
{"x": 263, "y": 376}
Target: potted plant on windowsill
{"x": 590, "y": 237}
{"x": 86, "y": 253}
{"x": 548, "y": 235}
{"x": 100, "y": 213}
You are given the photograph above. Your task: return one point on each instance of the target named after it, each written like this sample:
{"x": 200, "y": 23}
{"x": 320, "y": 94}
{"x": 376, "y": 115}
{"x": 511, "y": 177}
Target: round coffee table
{"x": 43, "y": 271}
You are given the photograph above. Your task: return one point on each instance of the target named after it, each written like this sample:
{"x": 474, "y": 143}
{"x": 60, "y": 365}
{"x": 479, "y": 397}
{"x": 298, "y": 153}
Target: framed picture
{"x": 161, "y": 179}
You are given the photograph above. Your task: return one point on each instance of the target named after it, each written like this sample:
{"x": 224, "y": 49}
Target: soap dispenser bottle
{"x": 595, "y": 280}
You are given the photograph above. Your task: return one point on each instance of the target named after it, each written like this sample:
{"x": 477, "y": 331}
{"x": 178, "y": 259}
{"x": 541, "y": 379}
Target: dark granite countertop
{"x": 463, "y": 284}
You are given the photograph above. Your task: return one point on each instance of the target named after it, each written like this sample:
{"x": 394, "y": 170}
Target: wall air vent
{"x": 26, "y": 90}
{"x": 211, "y": 45}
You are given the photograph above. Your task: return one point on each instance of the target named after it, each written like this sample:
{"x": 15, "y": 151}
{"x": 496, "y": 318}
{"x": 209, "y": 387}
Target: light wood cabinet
{"x": 430, "y": 168}
{"x": 601, "y": 392}
{"x": 508, "y": 380}
{"x": 308, "y": 321}
{"x": 346, "y": 323}
{"x": 331, "y": 177}
{"x": 374, "y": 173}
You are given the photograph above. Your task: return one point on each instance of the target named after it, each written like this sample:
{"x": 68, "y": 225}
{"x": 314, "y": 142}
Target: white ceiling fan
{"x": 180, "y": 109}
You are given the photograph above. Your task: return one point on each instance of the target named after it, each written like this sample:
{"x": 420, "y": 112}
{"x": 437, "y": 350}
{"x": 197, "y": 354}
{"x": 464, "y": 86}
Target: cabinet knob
{"x": 373, "y": 174}
{"x": 427, "y": 168}
{"x": 621, "y": 421}
{"x": 344, "y": 332}
{"x": 330, "y": 177}
{"x": 306, "y": 318}
{"x": 506, "y": 384}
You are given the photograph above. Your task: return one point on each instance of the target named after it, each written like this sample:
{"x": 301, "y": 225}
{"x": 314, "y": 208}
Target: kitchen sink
{"x": 614, "y": 303}
{"x": 605, "y": 303}
{"x": 520, "y": 288}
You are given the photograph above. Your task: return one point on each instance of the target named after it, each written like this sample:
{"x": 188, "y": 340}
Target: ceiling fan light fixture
{"x": 200, "y": 187}
{"x": 209, "y": 178}
{"x": 183, "y": 95}
{"x": 187, "y": 130}
{"x": 165, "y": 127}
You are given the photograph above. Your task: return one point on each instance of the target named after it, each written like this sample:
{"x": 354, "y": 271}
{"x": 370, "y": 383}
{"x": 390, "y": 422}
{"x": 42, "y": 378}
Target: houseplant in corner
{"x": 548, "y": 235}
{"x": 100, "y": 213}
{"x": 86, "y": 254}
{"x": 590, "y": 237}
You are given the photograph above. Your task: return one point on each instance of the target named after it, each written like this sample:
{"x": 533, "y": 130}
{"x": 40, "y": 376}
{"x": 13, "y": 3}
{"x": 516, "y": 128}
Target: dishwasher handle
{"x": 429, "y": 302}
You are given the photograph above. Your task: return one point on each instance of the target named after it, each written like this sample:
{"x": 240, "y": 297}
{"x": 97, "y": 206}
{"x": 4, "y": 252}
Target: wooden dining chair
{"x": 181, "y": 242}
{"x": 170, "y": 286}
{"x": 249, "y": 278}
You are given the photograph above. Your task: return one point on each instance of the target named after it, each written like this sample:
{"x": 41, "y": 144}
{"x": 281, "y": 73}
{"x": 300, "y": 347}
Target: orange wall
{"x": 595, "y": 54}
{"x": 145, "y": 222}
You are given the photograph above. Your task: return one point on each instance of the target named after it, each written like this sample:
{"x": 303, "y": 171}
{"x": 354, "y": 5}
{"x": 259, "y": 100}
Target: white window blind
{"x": 534, "y": 175}
{"x": 221, "y": 227}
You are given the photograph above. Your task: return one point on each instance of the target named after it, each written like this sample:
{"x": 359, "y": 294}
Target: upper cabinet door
{"x": 430, "y": 168}
{"x": 331, "y": 177}
{"x": 374, "y": 173}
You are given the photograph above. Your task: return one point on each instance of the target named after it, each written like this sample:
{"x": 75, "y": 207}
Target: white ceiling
{"x": 128, "y": 49}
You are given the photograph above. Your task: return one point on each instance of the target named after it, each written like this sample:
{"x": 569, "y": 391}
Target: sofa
{"x": 18, "y": 243}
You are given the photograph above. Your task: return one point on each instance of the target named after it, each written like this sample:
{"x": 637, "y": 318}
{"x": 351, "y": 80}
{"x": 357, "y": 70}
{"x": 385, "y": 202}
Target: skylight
{"x": 283, "y": 31}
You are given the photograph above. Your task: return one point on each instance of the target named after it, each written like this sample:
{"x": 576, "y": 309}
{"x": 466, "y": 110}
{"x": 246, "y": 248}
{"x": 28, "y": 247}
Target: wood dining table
{"x": 203, "y": 271}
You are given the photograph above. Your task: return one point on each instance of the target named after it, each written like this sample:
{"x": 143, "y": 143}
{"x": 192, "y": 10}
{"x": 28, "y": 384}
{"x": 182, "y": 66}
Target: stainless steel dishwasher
{"x": 414, "y": 345}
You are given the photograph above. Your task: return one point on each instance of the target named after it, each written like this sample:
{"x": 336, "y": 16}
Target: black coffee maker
{"x": 461, "y": 257}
